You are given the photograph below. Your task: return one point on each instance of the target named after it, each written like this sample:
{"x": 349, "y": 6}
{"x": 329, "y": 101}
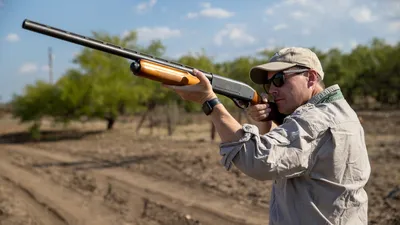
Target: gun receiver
{"x": 161, "y": 70}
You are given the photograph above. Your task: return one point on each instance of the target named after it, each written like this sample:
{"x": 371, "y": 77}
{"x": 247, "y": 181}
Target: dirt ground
{"x": 85, "y": 175}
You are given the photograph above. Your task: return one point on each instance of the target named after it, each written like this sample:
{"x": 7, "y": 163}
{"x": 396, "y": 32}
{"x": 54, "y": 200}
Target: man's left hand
{"x": 198, "y": 93}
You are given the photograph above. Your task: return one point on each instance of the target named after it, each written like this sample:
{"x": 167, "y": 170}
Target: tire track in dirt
{"x": 209, "y": 209}
{"x": 40, "y": 212}
{"x": 71, "y": 207}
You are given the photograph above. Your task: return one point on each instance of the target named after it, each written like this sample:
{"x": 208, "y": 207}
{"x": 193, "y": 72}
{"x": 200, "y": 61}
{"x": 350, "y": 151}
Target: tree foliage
{"x": 103, "y": 87}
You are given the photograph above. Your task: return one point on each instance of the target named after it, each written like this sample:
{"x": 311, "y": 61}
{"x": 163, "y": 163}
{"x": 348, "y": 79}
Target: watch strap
{"x": 209, "y": 105}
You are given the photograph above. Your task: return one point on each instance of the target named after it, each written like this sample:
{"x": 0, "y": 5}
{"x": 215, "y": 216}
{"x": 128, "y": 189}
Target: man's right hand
{"x": 258, "y": 113}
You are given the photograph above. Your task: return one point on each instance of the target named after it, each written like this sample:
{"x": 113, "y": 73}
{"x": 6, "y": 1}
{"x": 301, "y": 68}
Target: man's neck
{"x": 318, "y": 89}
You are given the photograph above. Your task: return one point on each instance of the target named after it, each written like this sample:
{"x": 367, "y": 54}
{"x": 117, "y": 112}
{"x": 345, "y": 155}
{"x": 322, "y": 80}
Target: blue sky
{"x": 225, "y": 29}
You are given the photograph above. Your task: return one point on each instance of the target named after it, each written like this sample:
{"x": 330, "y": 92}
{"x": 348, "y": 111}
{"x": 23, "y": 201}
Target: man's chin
{"x": 283, "y": 110}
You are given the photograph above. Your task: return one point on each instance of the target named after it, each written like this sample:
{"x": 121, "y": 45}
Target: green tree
{"x": 114, "y": 90}
{"x": 35, "y": 103}
{"x": 74, "y": 99}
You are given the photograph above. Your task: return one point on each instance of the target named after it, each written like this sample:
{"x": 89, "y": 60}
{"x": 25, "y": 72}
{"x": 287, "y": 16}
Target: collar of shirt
{"x": 329, "y": 94}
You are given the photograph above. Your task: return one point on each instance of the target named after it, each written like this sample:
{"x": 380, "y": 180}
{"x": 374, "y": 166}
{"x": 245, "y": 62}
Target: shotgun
{"x": 161, "y": 70}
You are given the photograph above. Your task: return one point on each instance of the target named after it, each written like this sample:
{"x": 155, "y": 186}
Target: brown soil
{"x": 85, "y": 175}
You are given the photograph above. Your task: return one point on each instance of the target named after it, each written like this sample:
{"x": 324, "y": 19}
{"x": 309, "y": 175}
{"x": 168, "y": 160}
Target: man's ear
{"x": 312, "y": 78}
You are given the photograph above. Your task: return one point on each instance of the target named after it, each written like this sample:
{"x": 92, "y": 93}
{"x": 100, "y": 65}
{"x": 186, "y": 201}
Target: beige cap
{"x": 284, "y": 59}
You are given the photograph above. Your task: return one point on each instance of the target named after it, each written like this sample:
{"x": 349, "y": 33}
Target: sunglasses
{"x": 279, "y": 78}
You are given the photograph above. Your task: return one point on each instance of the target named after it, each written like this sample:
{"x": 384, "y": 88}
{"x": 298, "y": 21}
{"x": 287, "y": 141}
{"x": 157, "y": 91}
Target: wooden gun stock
{"x": 161, "y": 73}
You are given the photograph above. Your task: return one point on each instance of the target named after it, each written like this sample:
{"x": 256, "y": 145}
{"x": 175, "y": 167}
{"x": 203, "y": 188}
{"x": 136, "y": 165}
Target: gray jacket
{"x": 317, "y": 159}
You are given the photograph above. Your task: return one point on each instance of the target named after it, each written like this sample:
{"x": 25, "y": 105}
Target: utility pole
{"x": 50, "y": 66}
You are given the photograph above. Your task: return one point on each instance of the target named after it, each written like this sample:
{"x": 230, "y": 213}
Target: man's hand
{"x": 260, "y": 111}
{"x": 199, "y": 92}
{"x": 225, "y": 124}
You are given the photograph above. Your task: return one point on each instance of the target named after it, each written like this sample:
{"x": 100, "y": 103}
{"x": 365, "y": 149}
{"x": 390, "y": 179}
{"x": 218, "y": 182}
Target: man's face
{"x": 294, "y": 92}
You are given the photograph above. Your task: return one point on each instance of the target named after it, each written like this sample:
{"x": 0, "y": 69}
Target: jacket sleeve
{"x": 283, "y": 152}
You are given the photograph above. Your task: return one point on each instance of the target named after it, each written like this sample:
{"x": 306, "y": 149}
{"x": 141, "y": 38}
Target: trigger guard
{"x": 237, "y": 103}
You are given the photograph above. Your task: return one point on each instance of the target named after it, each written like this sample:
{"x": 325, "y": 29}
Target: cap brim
{"x": 258, "y": 74}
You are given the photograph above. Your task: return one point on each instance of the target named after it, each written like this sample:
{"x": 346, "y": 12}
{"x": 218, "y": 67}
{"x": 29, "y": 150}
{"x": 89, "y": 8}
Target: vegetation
{"x": 103, "y": 87}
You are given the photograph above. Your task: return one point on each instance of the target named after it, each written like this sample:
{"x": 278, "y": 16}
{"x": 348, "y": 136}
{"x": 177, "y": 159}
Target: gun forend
{"x": 161, "y": 73}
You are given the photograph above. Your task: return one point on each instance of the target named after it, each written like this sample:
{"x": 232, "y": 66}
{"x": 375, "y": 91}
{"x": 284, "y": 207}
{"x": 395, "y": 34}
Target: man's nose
{"x": 273, "y": 90}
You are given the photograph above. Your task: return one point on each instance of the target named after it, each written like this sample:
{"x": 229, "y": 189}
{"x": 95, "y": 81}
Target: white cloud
{"x": 312, "y": 9}
{"x": 271, "y": 45}
{"x": 311, "y": 14}
{"x": 362, "y": 14}
{"x": 316, "y": 11}
{"x": 31, "y": 67}
{"x": 206, "y": 4}
{"x": 280, "y": 26}
{"x": 298, "y": 14}
{"x": 216, "y": 13}
{"x": 125, "y": 33}
{"x": 300, "y": 2}
{"x": 147, "y": 33}
{"x": 269, "y": 11}
{"x": 394, "y": 26}
{"x": 12, "y": 37}
{"x": 315, "y": 8}
{"x": 28, "y": 68}
{"x": 307, "y": 4}
{"x": 235, "y": 34}
{"x": 144, "y": 6}
{"x": 192, "y": 15}
{"x": 210, "y": 12}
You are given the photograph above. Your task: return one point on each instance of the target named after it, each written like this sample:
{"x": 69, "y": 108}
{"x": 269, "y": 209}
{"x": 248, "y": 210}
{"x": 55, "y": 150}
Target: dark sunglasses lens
{"x": 278, "y": 81}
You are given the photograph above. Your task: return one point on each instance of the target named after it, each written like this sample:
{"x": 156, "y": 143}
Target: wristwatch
{"x": 209, "y": 105}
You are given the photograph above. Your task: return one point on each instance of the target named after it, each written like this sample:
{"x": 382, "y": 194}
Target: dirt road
{"x": 68, "y": 204}
{"x": 87, "y": 176}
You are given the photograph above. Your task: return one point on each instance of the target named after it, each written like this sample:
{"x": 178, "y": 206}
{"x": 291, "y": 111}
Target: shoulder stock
{"x": 275, "y": 115}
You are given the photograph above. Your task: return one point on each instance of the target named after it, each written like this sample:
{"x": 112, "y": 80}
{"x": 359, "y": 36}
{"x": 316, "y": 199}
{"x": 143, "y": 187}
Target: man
{"x": 317, "y": 157}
